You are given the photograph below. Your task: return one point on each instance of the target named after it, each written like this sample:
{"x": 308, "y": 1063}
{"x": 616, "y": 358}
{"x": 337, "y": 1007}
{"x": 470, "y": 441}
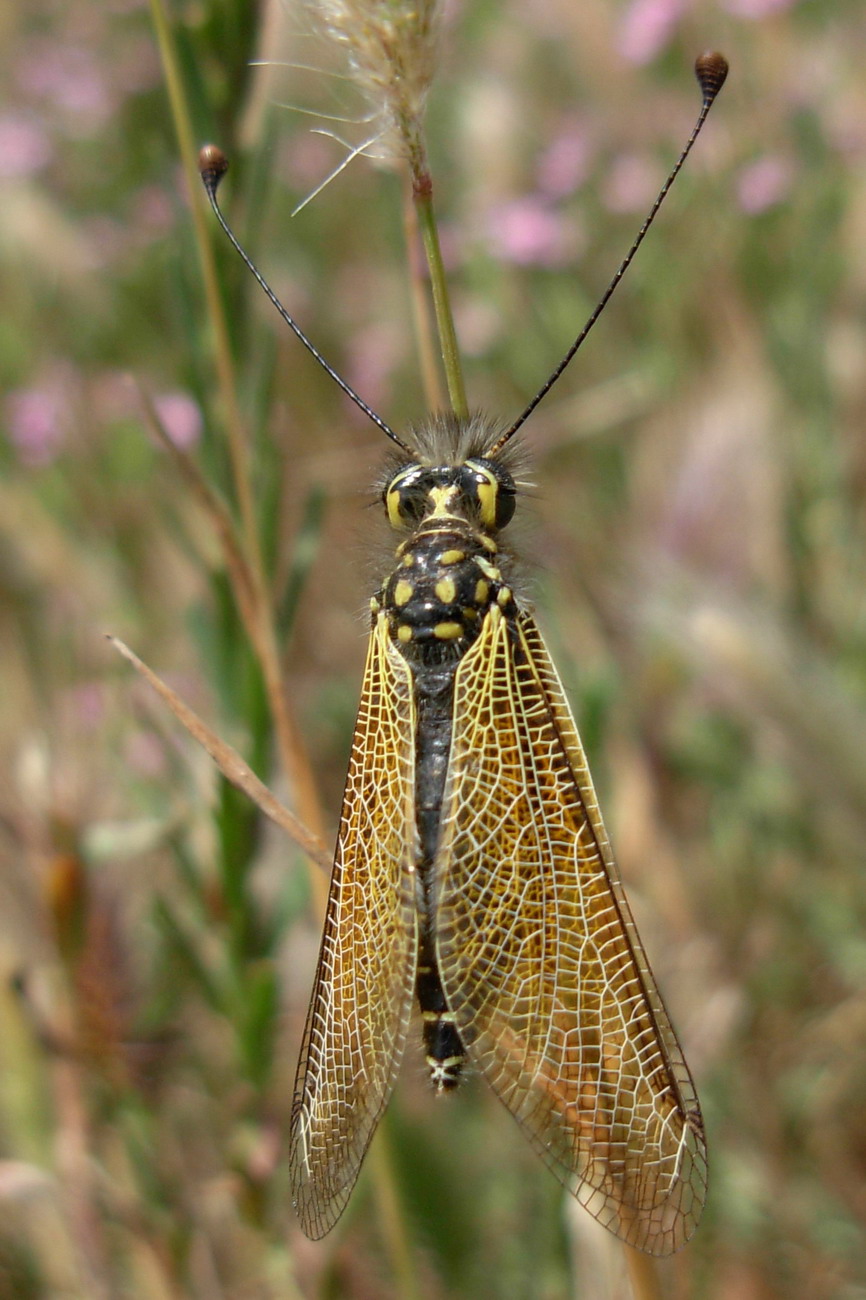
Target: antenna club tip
{"x": 711, "y": 69}
{"x": 212, "y": 166}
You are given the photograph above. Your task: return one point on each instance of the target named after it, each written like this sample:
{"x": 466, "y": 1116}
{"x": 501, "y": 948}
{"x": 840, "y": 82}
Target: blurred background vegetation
{"x": 695, "y": 550}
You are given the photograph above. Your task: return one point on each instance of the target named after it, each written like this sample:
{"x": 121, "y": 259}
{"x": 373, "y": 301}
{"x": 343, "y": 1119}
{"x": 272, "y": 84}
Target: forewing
{"x": 540, "y": 959}
{"x": 362, "y": 997}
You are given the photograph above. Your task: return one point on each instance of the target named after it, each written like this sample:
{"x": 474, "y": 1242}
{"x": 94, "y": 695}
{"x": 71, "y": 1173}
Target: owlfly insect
{"x": 473, "y": 874}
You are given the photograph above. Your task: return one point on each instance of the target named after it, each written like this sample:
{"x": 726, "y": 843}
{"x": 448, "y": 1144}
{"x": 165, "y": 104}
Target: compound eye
{"x": 506, "y": 500}
{"x": 494, "y": 493}
{"x": 406, "y": 497}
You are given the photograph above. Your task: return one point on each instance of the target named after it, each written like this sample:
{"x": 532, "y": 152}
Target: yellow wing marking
{"x": 540, "y": 960}
{"x": 362, "y": 996}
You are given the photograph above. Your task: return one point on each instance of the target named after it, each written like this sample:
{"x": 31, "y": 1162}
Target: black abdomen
{"x": 444, "y": 1051}
{"x": 436, "y": 600}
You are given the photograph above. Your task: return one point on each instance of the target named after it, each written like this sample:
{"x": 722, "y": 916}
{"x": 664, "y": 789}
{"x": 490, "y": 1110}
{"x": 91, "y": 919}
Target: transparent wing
{"x": 362, "y": 996}
{"x": 540, "y": 959}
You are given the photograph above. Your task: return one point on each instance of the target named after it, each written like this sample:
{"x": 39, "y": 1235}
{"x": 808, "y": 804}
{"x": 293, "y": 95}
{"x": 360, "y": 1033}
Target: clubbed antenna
{"x": 213, "y": 166}
{"x": 711, "y": 71}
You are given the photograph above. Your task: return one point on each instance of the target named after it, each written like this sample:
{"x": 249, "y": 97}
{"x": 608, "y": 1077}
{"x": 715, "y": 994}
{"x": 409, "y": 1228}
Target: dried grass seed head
{"x": 391, "y": 46}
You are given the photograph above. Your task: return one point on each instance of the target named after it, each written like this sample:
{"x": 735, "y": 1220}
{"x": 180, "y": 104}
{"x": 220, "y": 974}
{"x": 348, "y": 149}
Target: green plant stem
{"x": 292, "y": 753}
{"x": 642, "y": 1274}
{"x": 222, "y": 347}
{"x": 424, "y": 335}
{"x": 422, "y": 189}
{"x": 392, "y": 1219}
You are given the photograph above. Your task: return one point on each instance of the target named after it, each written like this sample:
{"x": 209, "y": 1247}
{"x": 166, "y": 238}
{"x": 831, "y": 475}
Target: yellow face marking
{"x": 448, "y": 631}
{"x": 482, "y": 591}
{"x": 489, "y": 544}
{"x": 408, "y": 560}
{"x": 442, "y": 497}
{"x": 404, "y": 633}
{"x": 504, "y": 597}
{"x": 446, "y": 590}
{"x": 403, "y": 592}
{"x": 452, "y": 557}
{"x": 487, "y": 493}
{"x": 393, "y": 503}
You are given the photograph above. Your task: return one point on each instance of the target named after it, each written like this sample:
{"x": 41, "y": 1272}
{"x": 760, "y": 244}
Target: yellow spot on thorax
{"x": 446, "y": 590}
{"x": 490, "y": 570}
{"x": 448, "y": 631}
{"x": 403, "y": 592}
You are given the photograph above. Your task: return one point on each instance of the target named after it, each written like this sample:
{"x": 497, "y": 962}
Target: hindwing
{"x": 362, "y": 997}
{"x": 539, "y": 957}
